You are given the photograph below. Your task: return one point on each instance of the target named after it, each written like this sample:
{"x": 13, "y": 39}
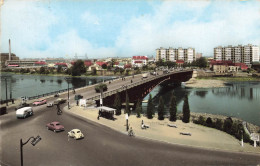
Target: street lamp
{"x": 33, "y": 142}
{"x": 126, "y": 116}
{"x": 5, "y": 78}
{"x": 68, "y": 79}
{"x": 242, "y": 143}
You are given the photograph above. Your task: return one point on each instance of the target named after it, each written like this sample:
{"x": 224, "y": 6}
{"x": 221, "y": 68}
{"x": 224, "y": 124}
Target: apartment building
{"x": 174, "y": 54}
{"x": 237, "y": 54}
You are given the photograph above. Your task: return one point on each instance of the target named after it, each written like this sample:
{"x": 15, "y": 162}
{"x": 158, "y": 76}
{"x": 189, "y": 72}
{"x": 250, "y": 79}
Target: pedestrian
{"x": 77, "y": 102}
{"x": 131, "y": 81}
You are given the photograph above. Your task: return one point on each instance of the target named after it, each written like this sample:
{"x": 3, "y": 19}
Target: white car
{"x": 75, "y": 133}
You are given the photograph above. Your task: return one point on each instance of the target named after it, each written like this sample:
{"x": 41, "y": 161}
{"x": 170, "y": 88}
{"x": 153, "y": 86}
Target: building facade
{"x": 139, "y": 61}
{"x": 237, "y": 54}
{"x": 174, "y": 54}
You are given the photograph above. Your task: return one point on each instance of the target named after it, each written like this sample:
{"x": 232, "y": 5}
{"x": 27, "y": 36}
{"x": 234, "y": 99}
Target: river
{"x": 238, "y": 99}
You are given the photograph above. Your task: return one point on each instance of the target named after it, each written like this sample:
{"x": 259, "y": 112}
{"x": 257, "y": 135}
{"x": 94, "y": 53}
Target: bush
{"x": 227, "y": 125}
{"x": 201, "y": 120}
{"x": 209, "y": 122}
{"x": 219, "y": 124}
{"x": 101, "y": 86}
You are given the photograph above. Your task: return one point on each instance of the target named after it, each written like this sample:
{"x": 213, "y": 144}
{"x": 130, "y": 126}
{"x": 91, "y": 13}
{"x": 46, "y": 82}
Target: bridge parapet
{"x": 138, "y": 83}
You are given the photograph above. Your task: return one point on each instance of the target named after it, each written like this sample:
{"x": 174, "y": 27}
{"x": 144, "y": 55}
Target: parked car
{"x": 78, "y": 97}
{"x": 60, "y": 101}
{"x": 75, "y": 133}
{"x": 22, "y": 105}
{"x": 55, "y": 126}
{"x": 40, "y": 102}
{"x": 24, "y": 112}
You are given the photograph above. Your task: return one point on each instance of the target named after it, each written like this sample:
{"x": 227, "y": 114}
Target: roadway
{"x": 101, "y": 145}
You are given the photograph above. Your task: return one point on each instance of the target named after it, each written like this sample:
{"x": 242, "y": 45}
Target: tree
{"x": 59, "y": 69}
{"x": 227, "y": 125}
{"x": 78, "y": 68}
{"x": 104, "y": 66}
{"x": 117, "y": 104}
{"x": 161, "y": 109}
{"x": 219, "y": 124}
{"x": 202, "y": 62}
{"x": 209, "y": 122}
{"x": 138, "y": 108}
{"x": 173, "y": 108}
{"x": 186, "y": 110}
{"x": 42, "y": 70}
{"x": 94, "y": 71}
{"x": 150, "y": 107}
{"x": 121, "y": 70}
{"x": 127, "y": 110}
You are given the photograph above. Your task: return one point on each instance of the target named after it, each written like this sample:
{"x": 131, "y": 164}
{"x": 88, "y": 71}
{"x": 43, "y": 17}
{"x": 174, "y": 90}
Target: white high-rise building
{"x": 173, "y": 54}
{"x": 238, "y": 54}
{"x": 190, "y": 55}
{"x": 227, "y": 53}
{"x": 255, "y": 54}
{"x": 218, "y": 53}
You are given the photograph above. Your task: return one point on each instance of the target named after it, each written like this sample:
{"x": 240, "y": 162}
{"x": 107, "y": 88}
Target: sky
{"x": 124, "y": 28}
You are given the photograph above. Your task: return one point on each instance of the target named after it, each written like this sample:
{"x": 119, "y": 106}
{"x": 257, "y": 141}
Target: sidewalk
{"x": 203, "y": 137}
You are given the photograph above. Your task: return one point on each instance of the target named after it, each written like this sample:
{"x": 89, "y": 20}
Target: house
{"x": 139, "y": 61}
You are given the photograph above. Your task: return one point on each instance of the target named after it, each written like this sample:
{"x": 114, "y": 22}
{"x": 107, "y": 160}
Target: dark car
{"x": 77, "y": 97}
{"x": 55, "y": 126}
{"x": 59, "y": 101}
{"x": 22, "y": 105}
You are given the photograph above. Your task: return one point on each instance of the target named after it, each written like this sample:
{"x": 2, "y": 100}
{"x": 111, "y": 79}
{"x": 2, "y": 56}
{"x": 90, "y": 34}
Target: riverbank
{"x": 201, "y": 136}
{"x": 205, "y": 83}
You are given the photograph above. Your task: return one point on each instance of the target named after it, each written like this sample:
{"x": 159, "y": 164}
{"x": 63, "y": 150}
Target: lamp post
{"x": 126, "y": 116}
{"x": 68, "y": 79}
{"x": 33, "y": 142}
{"x": 242, "y": 143}
{"x": 5, "y": 78}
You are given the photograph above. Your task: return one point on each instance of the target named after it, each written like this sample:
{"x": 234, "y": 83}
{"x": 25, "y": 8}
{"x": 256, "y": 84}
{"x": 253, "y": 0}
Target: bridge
{"x": 140, "y": 87}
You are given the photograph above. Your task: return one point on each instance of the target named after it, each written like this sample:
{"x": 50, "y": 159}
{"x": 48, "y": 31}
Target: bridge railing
{"x": 129, "y": 86}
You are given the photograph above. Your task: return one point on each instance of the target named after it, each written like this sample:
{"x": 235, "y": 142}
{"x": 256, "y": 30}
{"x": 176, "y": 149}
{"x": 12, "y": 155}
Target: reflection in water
{"x": 201, "y": 94}
{"x": 239, "y": 90}
{"x": 240, "y": 99}
{"x": 59, "y": 81}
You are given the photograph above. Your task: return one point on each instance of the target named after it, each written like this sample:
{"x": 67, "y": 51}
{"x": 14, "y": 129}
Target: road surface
{"x": 101, "y": 145}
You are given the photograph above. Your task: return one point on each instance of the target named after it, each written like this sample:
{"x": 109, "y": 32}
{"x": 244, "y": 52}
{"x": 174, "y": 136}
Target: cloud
{"x": 205, "y": 27}
{"x": 90, "y": 19}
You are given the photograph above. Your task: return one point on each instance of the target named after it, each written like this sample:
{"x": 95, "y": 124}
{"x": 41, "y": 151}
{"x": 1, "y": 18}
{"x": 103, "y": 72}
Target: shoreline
{"x": 205, "y": 83}
{"x": 201, "y": 136}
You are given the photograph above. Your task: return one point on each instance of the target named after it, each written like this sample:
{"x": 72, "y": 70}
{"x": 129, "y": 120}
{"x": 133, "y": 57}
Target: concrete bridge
{"x": 139, "y": 89}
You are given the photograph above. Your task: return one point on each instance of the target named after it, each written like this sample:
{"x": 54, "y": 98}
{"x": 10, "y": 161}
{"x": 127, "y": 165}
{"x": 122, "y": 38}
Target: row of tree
{"x": 150, "y": 108}
{"x": 201, "y": 63}
{"x": 228, "y": 125}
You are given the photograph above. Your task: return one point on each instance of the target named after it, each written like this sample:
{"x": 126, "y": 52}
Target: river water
{"x": 238, "y": 99}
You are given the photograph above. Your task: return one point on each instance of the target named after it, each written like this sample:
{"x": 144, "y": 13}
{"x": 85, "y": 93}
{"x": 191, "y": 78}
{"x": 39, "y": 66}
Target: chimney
{"x": 9, "y": 49}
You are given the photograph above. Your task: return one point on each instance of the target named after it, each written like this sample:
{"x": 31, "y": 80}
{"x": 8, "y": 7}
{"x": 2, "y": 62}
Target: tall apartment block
{"x": 173, "y": 54}
{"x": 237, "y": 54}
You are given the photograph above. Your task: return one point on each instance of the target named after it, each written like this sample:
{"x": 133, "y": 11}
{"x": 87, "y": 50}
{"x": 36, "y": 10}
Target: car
{"x": 22, "y": 105}
{"x": 50, "y": 105}
{"x": 60, "y": 101}
{"x": 75, "y": 133}
{"x": 40, "y": 102}
{"x": 55, "y": 126}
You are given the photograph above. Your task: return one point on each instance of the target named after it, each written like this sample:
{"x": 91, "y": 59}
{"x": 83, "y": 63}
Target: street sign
{"x": 36, "y": 140}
